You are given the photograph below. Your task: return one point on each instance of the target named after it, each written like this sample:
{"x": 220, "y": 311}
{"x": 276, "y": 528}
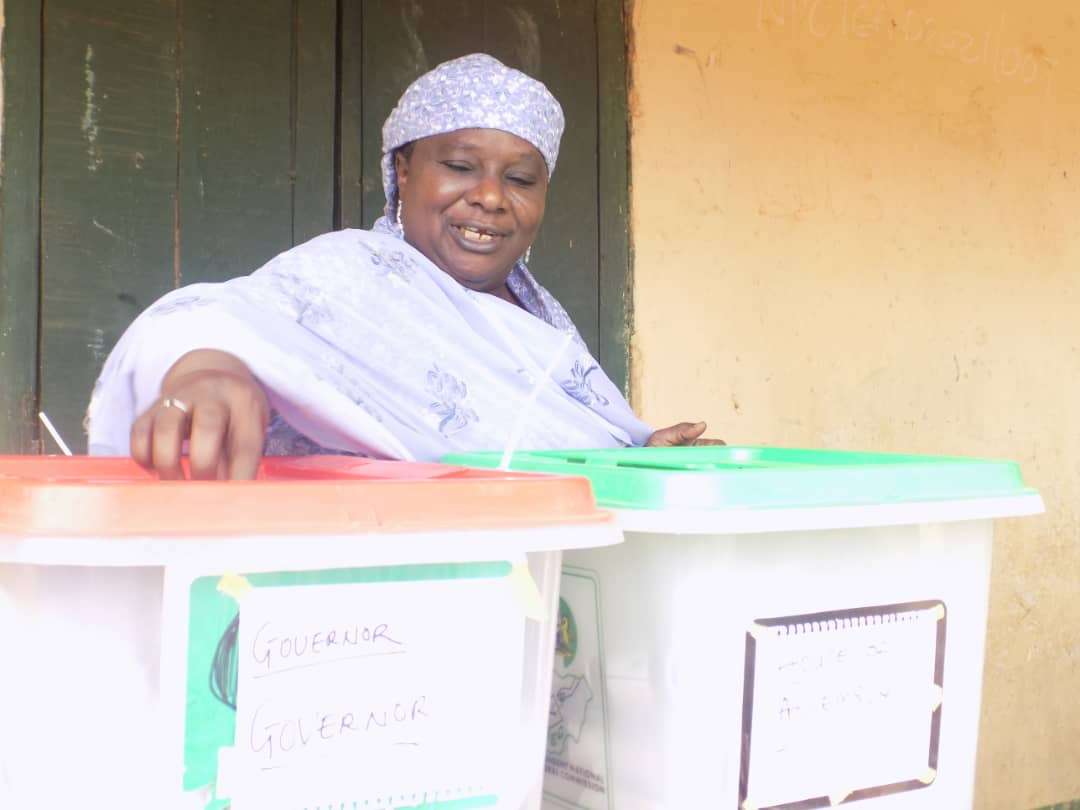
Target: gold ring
{"x": 169, "y": 402}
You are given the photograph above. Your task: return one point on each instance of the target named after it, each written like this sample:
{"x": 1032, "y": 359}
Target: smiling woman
{"x": 472, "y": 201}
{"x": 424, "y": 336}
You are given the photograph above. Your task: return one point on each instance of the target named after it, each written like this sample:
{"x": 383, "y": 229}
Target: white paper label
{"x": 842, "y": 705}
{"x": 349, "y": 692}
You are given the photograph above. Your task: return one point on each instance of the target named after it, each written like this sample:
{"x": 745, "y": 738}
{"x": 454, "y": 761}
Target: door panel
{"x": 235, "y": 136}
{"x": 180, "y": 143}
{"x": 108, "y": 185}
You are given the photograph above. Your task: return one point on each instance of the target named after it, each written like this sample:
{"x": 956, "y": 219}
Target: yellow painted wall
{"x": 857, "y": 225}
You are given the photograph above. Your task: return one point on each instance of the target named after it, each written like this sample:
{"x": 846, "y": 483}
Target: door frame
{"x": 20, "y": 225}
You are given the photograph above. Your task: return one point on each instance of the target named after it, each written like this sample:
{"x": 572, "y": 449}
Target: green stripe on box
{"x": 457, "y": 804}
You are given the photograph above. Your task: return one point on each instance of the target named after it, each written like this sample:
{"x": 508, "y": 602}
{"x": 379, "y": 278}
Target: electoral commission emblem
{"x": 566, "y": 634}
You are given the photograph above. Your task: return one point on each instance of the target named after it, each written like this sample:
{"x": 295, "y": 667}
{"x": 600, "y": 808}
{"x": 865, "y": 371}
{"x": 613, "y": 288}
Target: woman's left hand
{"x": 684, "y": 434}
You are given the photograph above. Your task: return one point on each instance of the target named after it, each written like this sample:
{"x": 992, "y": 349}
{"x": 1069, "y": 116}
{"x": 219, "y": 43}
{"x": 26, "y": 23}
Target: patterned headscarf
{"x": 473, "y": 92}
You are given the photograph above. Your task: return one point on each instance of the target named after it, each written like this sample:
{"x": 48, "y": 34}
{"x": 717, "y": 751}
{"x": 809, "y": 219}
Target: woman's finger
{"x": 680, "y": 435}
{"x": 141, "y": 431}
{"x": 689, "y": 432}
{"x": 247, "y": 434}
{"x": 206, "y": 447}
{"x": 170, "y": 430}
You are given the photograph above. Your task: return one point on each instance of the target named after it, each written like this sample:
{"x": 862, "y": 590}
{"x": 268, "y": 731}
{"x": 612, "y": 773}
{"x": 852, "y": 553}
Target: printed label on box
{"x": 576, "y": 771}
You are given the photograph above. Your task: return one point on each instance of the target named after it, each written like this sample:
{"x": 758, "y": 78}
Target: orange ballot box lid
{"x": 316, "y": 495}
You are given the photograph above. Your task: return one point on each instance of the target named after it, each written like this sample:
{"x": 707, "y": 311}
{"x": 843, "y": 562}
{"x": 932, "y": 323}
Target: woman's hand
{"x": 211, "y": 399}
{"x": 683, "y": 434}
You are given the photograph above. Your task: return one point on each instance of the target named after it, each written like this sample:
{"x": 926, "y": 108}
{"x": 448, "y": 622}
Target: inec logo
{"x": 571, "y": 694}
{"x": 566, "y": 634}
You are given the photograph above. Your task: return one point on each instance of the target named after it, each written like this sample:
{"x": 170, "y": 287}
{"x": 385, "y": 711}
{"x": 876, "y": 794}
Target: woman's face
{"x": 473, "y": 202}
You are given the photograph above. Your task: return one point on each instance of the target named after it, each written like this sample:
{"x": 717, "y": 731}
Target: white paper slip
{"x": 842, "y": 705}
{"x": 388, "y": 691}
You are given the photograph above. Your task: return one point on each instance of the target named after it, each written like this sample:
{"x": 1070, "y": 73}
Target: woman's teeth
{"x": 474, "y": 234}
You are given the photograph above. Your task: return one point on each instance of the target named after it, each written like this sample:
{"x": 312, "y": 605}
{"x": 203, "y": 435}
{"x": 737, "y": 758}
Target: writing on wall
{"x": 991, "y": 47}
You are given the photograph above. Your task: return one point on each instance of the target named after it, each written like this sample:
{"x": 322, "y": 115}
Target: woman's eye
{"x": 522, "y": 181}
{"x": 457, "y": 166}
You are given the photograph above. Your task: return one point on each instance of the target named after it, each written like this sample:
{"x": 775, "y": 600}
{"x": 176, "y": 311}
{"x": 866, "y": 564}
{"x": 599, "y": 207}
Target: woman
{"x": 424, "y": 336}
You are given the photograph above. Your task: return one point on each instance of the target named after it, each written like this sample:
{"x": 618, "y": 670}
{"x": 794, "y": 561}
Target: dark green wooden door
{"x": 175, "y": 149}
{"x": 190, "y": 140}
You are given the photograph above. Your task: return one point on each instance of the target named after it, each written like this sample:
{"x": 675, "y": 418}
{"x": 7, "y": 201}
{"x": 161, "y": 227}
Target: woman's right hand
{"x": 210, "y": 399}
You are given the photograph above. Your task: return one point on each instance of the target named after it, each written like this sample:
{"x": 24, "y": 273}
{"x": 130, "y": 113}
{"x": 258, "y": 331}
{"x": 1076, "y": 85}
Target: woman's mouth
{"x": 475, "y": 237}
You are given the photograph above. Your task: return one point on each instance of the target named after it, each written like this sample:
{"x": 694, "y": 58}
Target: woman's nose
{"x": 487, "y": 193}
